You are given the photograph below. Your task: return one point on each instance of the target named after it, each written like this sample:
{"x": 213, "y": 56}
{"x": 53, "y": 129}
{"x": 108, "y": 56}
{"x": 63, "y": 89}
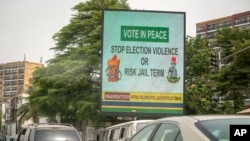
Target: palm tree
{"x": 26, "y": 112}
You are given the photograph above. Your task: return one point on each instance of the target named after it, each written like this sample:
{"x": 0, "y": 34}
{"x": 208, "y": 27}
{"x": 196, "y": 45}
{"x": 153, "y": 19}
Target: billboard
{"x": 142, "y": 62}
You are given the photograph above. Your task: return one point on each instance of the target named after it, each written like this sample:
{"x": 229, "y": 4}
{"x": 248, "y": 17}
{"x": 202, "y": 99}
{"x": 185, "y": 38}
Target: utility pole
{"x": 234, "y": 53}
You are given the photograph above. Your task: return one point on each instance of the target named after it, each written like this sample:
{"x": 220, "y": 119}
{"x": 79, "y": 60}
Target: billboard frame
{"x": 135, "y": 114}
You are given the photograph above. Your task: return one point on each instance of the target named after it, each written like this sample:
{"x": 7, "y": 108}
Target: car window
{"x": 168, "y": 132}
{"x": 114, "y": 134}
{"x": 140, "y": 125}
{"x": 219, "y": 129}
{"x": 105, "y": 135}
{"x": 57, "y": 135}
{"x": 124, "y": 132}
{"x": 144, "y": 134}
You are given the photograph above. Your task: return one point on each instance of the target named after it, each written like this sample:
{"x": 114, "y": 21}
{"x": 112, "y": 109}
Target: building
{"x": 15, "y": 79}
{"x": 208, "y": 29}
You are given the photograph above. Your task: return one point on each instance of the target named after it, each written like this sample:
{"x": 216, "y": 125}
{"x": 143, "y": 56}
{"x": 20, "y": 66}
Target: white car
{"x": 49, "y": 132}
{"x": 191, "y": 128}
{"x": 123, "y": 131}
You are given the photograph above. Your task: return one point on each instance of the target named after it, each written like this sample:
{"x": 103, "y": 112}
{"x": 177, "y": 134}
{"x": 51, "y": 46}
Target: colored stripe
{"x": 141, "y": 104}
{"x": 133, "y": 107}
{"x": 142, "y": 110}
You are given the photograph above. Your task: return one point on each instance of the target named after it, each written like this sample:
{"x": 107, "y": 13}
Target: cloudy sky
{"x": 27, "y": 26}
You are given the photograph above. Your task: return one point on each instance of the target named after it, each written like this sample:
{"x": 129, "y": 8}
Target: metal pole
{"x": 234, "y": 53}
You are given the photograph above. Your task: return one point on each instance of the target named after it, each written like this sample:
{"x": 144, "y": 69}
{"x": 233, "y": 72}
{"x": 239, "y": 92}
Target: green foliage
{"x": 199, "y": 99}
{"x": 198, "y": 96}
{"x": 197, "y": 57}
{"x": 233, "y": 80}
{"x": 227, "y": 37}
{"x": 70, "y": 83}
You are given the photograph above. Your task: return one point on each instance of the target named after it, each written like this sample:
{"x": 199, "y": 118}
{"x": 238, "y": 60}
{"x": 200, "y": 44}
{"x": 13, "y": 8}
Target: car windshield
{"x": 140, "y": 125}
{"x": 56, "y": 135}
{"x": 219, "y": 128}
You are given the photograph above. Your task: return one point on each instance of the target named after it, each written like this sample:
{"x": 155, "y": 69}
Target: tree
{"x": 226, "y": 36}
{"x": 198, "y": 96}
{"x": 70, "y": 83}
{"x": 26, "y": 112}
{"x": 233, "y": 80}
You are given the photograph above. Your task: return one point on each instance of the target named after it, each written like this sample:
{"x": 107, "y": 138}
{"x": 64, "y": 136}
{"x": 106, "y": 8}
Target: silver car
{"x": 191, "y": 128}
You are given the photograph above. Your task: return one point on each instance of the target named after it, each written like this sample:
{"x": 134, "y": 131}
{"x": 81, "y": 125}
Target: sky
{"x": 27, "y": 26}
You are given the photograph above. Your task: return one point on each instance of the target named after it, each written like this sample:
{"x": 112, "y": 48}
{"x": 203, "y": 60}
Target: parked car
{"x": 49, "y": 132}
{"x": 190, "y": 128}
{"x": 123, "y": 131}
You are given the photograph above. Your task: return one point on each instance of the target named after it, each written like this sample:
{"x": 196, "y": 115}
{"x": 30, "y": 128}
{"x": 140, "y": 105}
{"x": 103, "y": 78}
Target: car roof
{"x": 129, "y": 122}
{"x": 49, "y": 125}
{"x": 194, "y": 118}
